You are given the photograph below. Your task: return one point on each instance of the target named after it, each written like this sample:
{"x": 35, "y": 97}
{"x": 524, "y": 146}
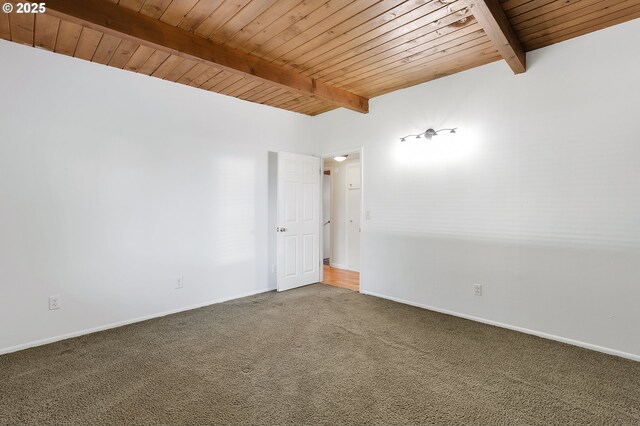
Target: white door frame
{"x": 324, "y": 156}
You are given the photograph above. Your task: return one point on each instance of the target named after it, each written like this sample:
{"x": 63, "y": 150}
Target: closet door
{"x": 353, "y": 216}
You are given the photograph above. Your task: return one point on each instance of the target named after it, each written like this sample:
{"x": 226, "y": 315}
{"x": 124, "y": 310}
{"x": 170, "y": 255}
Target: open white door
{"x": 298, "y": 220}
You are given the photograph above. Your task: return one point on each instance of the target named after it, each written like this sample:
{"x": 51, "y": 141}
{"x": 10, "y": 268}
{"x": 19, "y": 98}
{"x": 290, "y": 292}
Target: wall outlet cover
{"x": 54, "y": 302}
{"x": 477, "y": 290}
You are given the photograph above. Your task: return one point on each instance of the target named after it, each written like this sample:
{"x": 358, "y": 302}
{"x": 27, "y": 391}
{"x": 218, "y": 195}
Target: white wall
{"x": 113, "y": 184}
{"x": 537, "y": 198}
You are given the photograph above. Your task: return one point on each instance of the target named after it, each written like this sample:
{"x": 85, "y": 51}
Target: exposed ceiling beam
{"x": 491, "y": 17}
{"x": 118, "y": 21}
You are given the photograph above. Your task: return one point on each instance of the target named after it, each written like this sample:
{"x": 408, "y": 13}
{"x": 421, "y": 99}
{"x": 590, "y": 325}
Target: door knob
{"x": 279, "y": 229}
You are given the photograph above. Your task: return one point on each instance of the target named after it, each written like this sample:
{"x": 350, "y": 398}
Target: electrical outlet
{"x": 179, "y": 283}
{"x": 54, "y": 302}
{"x": 477, "y": 290}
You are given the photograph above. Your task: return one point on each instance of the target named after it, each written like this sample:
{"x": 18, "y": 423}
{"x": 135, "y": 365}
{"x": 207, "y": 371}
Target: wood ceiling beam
{"x": 109, "y": 18}
{"x": 494, "y": 21}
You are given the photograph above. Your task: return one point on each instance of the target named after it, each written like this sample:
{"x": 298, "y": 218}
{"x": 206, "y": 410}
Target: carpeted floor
{"x": 315, "y": 355}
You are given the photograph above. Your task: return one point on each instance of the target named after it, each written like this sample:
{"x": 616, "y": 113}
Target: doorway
{"x": 341, "y": 219}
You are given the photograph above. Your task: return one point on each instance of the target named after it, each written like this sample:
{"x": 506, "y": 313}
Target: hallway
{"x": 341, "y": 278}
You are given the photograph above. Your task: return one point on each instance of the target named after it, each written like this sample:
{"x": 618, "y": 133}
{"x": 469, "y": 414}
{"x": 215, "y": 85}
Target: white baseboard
{"x": 343, "y": 267}
{"x": 126, "y": 322}
{"x": 585, "y": 345}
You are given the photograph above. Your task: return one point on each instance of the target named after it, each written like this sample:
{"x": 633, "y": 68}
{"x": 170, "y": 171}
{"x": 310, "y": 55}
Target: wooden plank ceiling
{"x": 339, "y": 52}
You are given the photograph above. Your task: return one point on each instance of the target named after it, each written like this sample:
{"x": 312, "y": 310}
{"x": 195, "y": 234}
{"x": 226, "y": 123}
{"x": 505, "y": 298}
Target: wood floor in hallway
{"x": 341, "y": 278}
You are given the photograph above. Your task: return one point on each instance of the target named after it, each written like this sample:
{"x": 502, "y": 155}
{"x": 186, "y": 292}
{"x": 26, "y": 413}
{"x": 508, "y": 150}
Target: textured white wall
{"x": 113, "y": 184}
{"x": 537, "y": 198}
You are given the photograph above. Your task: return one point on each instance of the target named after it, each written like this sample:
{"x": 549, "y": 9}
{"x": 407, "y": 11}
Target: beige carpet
{"x": 316, "y": 355}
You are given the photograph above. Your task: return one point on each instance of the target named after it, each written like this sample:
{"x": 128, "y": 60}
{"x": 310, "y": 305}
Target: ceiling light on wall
{"x": 341, "y": 157}
{"x": 428, "y": 134}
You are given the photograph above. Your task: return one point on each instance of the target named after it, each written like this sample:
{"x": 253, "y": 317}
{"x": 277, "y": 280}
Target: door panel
{"x": 326, "y": 216}
{"x": 354, "y": 200}
{"x": 309, "y": 261}
{"x": 353, "y": 176}
{"x": 353, "y": 229}
{"x": 290, "y": 203}
{"x": 291, "y": 253}
{"x": 298, "y": 220}
{"x": 310, "y": 192}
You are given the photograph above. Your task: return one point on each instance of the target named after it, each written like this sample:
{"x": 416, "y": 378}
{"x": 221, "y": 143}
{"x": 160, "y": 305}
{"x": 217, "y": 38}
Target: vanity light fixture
{"x": 428, "y": 134}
